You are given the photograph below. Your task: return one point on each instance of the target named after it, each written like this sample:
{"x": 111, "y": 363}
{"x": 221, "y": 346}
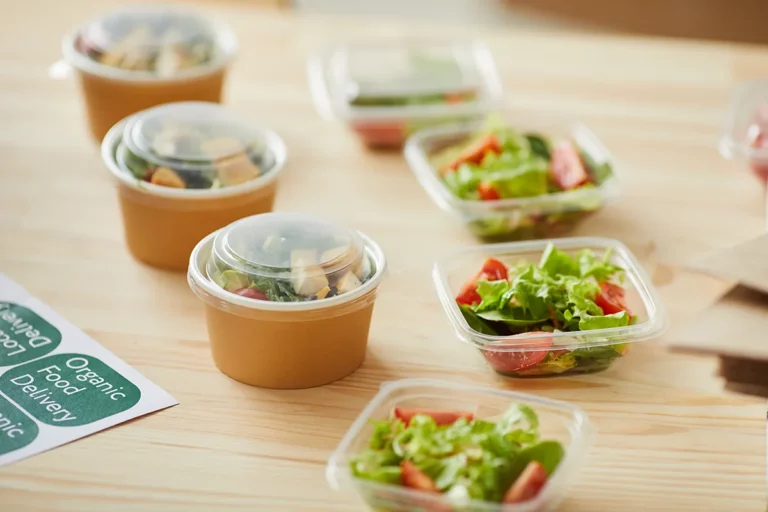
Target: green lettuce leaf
{"x": 547, "y": 453}
{"x": 513, "y": 316}
{"x": 590, "y": 323}
{"x": 558, "y": 263}
{"x": 539, "y": 145}
{"x": 491, "y": 293}
{"x": 601, "y": 269}
{"x": 475, "y": 322}
{"x": 463, "y": 182}
{"x": 529, "y": 180}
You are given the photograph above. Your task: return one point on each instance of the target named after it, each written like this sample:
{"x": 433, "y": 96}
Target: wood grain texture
{"x": 669, "y": 438}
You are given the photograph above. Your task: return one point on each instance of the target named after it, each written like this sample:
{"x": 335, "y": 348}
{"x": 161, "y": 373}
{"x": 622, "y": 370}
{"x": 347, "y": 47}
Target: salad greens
{"x": 460, "y": 456}
{"x": 132, "y": 49}
{"x": 562, "y": 293}
{"x": 292, "y": 265}
{"x": 391, "y": 100}
{"x": 211, "y": 161}
{"x": 498, "y": 163}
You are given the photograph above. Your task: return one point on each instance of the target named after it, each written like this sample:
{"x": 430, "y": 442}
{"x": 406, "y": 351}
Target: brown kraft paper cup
{"x": 162, "y": 225}
{"x": 291, "y": 349}
{"x": 163, "y": 231}
{"x": 108, "y": 100}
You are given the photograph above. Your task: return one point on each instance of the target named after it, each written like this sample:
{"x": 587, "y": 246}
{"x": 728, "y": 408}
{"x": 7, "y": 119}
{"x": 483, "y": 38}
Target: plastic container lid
{"x": 197, "y": 145}
{"x": 745, "y": 131}
{"x": 157, "y": 41}
{"x": 384, "y": 71}
{"x": 421, "y": 79}
{"x": 559, "y": 421}
{"x": 288, "y": 257}
{"x": 456, "y": 268}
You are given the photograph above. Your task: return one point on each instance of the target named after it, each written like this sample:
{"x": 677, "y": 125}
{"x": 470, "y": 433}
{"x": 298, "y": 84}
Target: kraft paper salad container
{"x": 386, "y": 90}
{"x": 516, "y": 181}
{"x": 140, "y": 56}
{"x": 611, "y": 304}
{"x": 288, "y": 298}
{"x": 745, "y": 131}
{"x": 558, "y": 421}
{"x": 184, "y": 170}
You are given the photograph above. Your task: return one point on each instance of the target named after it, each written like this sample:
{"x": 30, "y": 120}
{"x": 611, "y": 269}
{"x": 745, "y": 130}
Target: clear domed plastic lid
{"x": 161, "y": 40}
{"x": 194, "y": 145}
{"x": 376, "y": 75}
{"x": 288, "y": 257}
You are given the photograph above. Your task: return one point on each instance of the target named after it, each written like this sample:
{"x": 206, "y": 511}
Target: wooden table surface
{"x": 669, "y": 437}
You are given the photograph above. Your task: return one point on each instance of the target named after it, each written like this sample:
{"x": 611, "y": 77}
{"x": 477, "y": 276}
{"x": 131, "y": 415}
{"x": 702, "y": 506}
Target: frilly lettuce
{"x": 476, "y": 459}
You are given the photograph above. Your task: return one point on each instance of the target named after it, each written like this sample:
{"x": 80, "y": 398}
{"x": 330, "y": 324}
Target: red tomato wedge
{"x": 566, "y": 167}
{"x": 487, "y": 191}
{"x": 492, "y": 270}
{"x": 611, "y": 299}
{"x": 381, "y": 135}
{"x": 514, "y": 361}
{"x": 468, "y": 294}
{"x": 759, "y": 140}
{"x": 474, "y": 153}
{"x": 528, "y": 484}
{"x": 442, "y": 418}
{"x": 251, "y": 293}
{"x": 411, "y": 476}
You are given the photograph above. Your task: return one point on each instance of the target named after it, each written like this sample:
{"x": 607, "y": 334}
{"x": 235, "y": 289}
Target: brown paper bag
{"x": 736, "y": 327}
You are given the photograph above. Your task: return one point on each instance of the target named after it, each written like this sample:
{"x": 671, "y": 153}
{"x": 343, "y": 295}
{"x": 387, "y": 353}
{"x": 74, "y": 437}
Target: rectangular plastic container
{"x": 526, "y": 218}
{"x": 745, "y": 130}
{"x": 415, "y": 84}
{"x": 597, "y": 349}
{"x": 558, "y": 420}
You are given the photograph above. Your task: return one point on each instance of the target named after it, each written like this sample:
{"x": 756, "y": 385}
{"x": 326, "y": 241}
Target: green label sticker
{"x": 24, "y": 335}
{"x": 69, "y": 390}
{"x": 17, "y": 430}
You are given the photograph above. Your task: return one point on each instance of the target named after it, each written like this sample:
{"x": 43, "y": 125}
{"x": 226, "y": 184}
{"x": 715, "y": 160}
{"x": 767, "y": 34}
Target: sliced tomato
{"x": 515, "y": 361}
{"x": 492, "y": 270}
{"x": 528, "y": 485}
{"x": 454, "y": 97}
{"x": 381, "y": 135}
{"x": 251, "y": 293}
{"x": 611, "y": 299}
{"x": 411, "y": 476}
{"x": 566, "y": 168}
{"x": 475, "y": 152}
{"x": 759, "y": 140}
{"x": 441, "y": 417}
{"x": 468, "y": 294}
{"x": 487, "y": 191}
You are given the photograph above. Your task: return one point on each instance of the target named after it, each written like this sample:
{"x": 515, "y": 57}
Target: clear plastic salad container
{"x": 387, "y": 90}
{"x": 185, "y": 170}
{"x": 540, "y": 211}
{"x": 588, "y": 348}
{"x": 745, "y": 131}
{"x": 145, "y": 55}
{"x": 288, "y": 298}
{"x": 558, "y": 421}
